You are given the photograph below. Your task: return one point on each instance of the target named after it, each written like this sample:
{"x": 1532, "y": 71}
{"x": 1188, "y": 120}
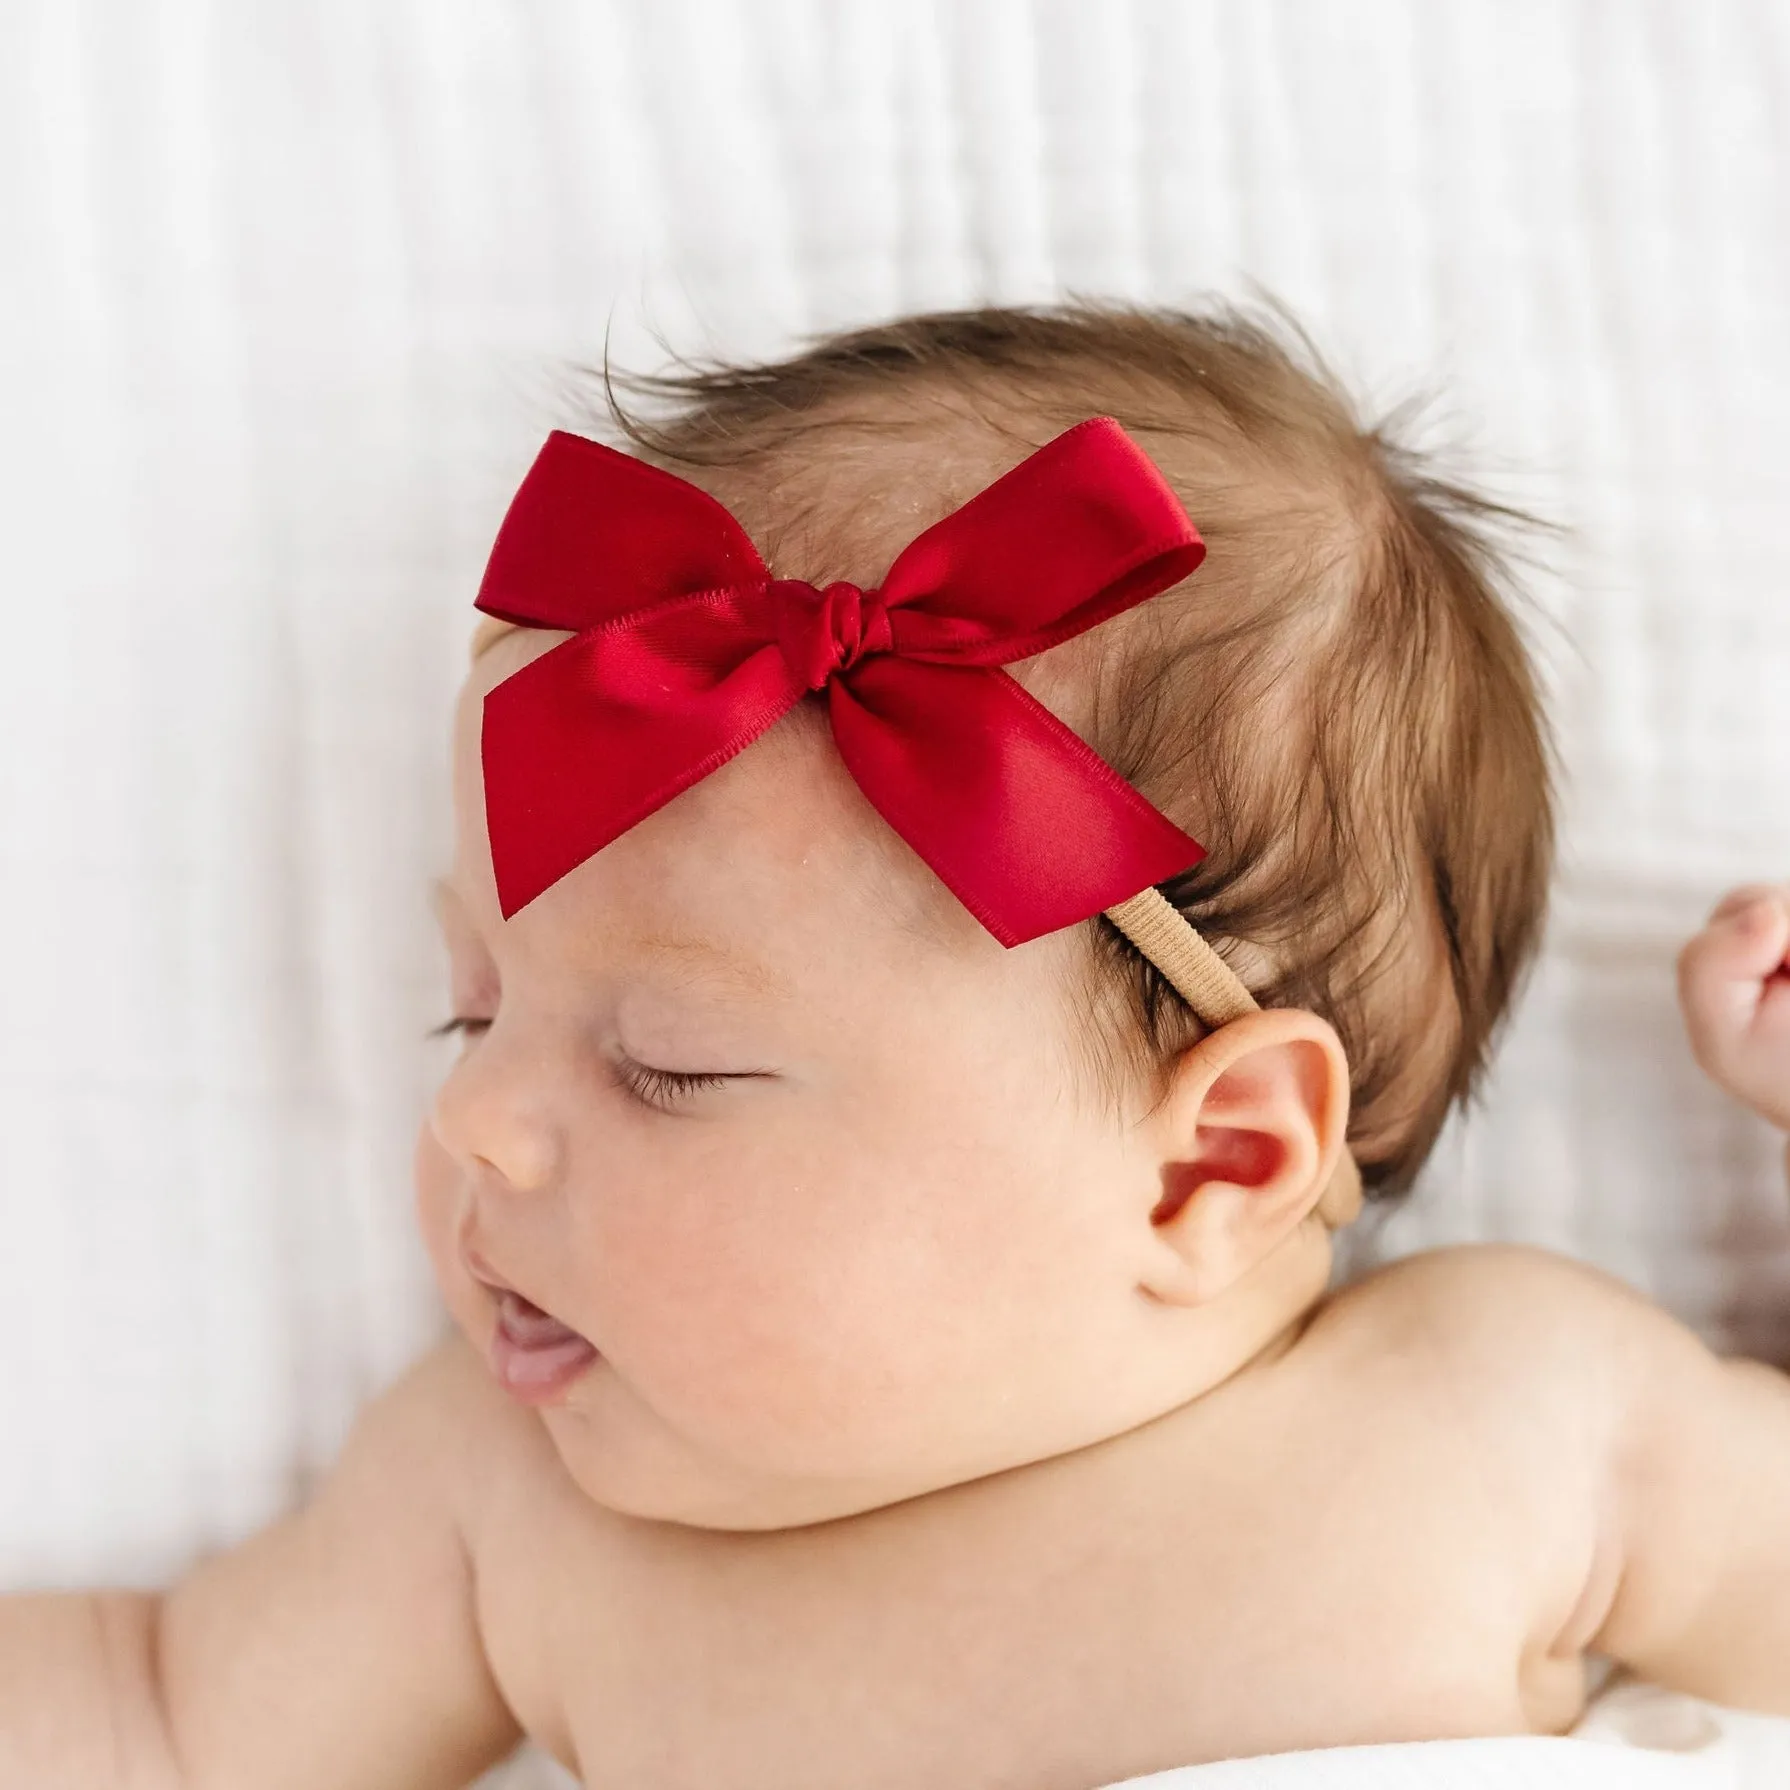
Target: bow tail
{"x": 594, "y": 735}
{"x": 1017, "y": 815}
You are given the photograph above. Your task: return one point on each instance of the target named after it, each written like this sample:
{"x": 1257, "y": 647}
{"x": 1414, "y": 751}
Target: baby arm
{"x": 1698, "y": 1495}
{"x": 339, "y": 1646}
{"x": 1696, "y": 1512}
{"x": 1734, "y": 987}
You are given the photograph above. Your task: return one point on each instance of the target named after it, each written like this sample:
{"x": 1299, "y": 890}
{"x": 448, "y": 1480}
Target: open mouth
{"x": 533, "y": 1355}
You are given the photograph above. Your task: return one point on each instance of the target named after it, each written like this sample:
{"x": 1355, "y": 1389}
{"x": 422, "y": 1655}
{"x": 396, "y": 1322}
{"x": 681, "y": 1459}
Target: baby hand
{"x": 1734, "y": 987}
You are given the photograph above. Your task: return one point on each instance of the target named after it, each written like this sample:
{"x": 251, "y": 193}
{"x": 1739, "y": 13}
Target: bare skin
{"x": 929, "y": 1444}
{"x": 1177, "y": 1594}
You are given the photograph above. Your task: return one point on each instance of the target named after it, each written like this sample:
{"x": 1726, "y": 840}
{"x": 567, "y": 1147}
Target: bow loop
{"x": 824, "y": 632}
{"x": 686, "y": 650}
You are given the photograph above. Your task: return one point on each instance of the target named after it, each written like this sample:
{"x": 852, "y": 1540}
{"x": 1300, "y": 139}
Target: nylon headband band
{"x": 1217, "y": 995}
{"x": 1194, "y": 970}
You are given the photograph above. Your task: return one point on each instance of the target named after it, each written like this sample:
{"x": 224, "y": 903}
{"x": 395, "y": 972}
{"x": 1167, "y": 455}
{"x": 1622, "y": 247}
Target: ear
{"x": 1248, "y": 1135}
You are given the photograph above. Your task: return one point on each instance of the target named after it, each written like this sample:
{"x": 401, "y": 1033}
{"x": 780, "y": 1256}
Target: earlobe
{"x": 1252, "y": 1128}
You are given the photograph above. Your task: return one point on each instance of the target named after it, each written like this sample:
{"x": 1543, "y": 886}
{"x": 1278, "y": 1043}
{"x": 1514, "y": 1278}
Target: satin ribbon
{"x": 686, "y": 649}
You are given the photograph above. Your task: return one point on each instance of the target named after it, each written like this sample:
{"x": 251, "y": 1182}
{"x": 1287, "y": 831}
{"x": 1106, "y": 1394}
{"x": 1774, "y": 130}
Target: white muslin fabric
{"x": 1634, "y": 1737}
{"x": 290, "y": 288}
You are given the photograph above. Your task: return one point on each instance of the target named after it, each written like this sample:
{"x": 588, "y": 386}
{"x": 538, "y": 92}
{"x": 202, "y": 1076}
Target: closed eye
{"x": 456, "y": 1025}
{"x": 662, "y": 1089}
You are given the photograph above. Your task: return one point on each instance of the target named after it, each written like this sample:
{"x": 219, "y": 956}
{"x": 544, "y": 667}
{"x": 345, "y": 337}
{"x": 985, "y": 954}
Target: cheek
{"x": 752, "y": 1288}
{"x": 827, "y": 1291}
{"x": 437, "y": 1194}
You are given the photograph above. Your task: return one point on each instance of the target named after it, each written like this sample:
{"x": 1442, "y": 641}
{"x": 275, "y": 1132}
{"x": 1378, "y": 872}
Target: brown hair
{"x": 1338, "y": 704}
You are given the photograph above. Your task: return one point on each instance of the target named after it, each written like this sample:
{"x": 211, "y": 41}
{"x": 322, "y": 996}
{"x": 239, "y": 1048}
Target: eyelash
{"x": 664, "y": 1087}
{"x": 654, "y": 1087}
{"x": 454, "y": 1025}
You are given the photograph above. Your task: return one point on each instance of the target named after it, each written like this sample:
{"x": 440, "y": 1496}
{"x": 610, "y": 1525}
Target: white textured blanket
{"x": 285, "y": 284}
{"x": 1448, "y": 1765}
{"x": 1635, "y": 1737}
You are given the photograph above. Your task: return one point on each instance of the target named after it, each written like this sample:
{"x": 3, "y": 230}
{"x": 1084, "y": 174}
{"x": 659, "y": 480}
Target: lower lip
{"x": 538, "y": 1373}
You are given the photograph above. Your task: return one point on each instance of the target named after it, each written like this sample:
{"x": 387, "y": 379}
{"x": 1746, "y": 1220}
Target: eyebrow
{"x": 706, "y": 959}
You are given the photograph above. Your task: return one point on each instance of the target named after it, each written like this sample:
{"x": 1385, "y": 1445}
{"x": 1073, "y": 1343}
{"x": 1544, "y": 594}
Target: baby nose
{"x": 494, "y": 1119}
{"x": 826, "y": 631}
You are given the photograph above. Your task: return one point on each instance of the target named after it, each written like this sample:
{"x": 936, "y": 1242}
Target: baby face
{"x": 762, "y": 1113}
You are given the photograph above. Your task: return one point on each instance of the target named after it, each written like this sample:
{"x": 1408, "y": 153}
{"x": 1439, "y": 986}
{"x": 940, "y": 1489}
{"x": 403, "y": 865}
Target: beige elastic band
{"x": 1216, "y": 993}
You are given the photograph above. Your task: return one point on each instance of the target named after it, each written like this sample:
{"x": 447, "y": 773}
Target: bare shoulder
{"x": 490, "y": 1463}
{"x": 447, "y": 1420}
{"x": 1576, "y": 1397}
{"x": 1509, "y": 1381}
{"x": 1538, "y": 1355}
{"x": 376, "y": 1670}
{"x": 1522, "y": 1355}
{"x": 433, "y": 1402}
{"x": 450, "y": 1386}
{"x": 1525, "y": 1303}
{"x": 430, "y": 1444}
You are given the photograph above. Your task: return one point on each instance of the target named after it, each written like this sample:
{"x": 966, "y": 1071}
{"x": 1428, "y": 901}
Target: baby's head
{"x": 856, "y": 1203}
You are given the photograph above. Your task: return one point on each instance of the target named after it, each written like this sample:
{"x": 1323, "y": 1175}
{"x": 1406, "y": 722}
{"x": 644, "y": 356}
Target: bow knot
{"x": 686, "y": 649}
{"x": 822, "y": 632}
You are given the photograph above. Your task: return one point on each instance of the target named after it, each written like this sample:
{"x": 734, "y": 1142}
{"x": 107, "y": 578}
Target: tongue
{"x": 531, "y": 1328}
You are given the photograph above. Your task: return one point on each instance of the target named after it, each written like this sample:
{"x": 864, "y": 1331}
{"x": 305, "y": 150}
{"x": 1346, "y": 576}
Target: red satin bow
{"x": 687, "y": 649}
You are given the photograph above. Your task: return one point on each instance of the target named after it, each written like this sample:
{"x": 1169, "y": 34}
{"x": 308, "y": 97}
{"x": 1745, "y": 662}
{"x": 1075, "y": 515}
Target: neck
{"x": 1262, "y": 1316}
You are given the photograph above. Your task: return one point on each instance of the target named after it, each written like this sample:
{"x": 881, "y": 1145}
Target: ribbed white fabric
{"x": 286, "y": 285}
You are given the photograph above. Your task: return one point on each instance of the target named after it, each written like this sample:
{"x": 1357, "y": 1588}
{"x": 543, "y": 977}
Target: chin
{"x": 660, "y": 1484}
{"x": 652, "y": 1483}
{"x": 647, "y": 1498}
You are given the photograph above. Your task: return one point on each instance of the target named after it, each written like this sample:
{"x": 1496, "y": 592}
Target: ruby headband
{"x": 686, "y": 649}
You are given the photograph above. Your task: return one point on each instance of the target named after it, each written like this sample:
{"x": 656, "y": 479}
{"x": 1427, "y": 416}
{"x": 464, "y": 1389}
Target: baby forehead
{"x": 777, "y": 837}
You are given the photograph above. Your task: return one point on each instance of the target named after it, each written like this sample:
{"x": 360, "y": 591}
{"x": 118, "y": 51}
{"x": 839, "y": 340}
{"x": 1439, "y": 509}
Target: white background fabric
{"x": 287, "y": 285}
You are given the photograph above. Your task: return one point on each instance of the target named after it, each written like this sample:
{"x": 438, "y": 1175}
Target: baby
{"x": 892, "y": 1357}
